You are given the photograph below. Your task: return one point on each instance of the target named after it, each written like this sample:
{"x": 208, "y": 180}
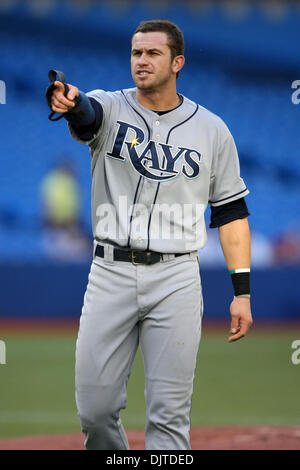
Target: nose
{"x": 142, "y": 59}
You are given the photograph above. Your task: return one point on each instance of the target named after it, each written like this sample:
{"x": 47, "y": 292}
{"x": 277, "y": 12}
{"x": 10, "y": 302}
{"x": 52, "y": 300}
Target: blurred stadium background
{"x": 241, "y": 60}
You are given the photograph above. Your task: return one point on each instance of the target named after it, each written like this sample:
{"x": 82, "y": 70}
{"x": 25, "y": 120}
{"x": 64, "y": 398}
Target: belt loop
{"x": 167, "y": 257}
{"x": 94, "y": 248}
{"x": 108, "y": 254}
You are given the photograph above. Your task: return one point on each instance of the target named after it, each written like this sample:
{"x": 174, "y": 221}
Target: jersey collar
{"x": 180, "y": 113}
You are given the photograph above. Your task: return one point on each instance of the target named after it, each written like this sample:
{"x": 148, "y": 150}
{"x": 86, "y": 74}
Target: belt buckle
{"x": 135, "y": 253}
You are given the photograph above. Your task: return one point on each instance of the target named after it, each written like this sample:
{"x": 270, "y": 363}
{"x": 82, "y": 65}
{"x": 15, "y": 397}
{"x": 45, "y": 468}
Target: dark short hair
{"x": 173, "y": 32}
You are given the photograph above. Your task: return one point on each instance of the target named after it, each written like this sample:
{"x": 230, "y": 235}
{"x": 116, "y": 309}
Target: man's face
{"x": 151, "y": 65}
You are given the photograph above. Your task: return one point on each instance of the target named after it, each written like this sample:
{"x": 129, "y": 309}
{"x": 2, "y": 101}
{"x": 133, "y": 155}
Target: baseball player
{"x": 158, "y": 160}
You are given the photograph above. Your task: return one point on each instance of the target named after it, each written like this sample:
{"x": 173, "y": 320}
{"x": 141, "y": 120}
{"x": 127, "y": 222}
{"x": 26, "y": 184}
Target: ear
{"x": 178, "y": 63}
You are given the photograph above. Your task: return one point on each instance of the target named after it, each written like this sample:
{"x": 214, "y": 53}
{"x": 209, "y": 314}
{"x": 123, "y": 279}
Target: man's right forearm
{"x": 86, "y": 117}
{"x": 83, "y": 114}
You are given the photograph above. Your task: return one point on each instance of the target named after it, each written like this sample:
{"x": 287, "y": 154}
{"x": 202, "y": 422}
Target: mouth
{"x": 143, "y": 73}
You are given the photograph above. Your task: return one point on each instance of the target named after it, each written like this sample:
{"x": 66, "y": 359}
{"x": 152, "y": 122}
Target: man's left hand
{"x": 241, "y": 318}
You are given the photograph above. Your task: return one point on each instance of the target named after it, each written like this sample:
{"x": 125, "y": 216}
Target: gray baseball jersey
{"x": 153, "y": 175}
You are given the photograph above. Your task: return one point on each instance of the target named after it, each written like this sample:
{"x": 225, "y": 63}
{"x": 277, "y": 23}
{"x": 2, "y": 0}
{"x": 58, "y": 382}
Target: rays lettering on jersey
{"x": 155, "y": 160}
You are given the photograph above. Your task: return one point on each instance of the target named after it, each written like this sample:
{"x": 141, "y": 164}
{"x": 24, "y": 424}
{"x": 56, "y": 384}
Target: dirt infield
{"x": 224, "y": 438}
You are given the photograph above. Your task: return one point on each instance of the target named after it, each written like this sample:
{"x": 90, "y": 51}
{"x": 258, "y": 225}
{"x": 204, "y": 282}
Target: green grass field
{"x": 251, "y": 382}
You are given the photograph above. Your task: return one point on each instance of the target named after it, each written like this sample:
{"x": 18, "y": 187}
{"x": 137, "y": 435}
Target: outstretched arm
{"x": 85, "y": 116}
{"x": 236, "y": 246}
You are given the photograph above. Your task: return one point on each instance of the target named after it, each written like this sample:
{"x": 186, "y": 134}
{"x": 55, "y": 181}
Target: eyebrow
{"x": 148, "y": 50}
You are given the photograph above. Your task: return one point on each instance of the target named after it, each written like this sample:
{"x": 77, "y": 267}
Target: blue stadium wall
{"x": 57, "y": 291}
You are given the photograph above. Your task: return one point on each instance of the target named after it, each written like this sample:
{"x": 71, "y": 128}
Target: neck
{"x": 158, "y": 100}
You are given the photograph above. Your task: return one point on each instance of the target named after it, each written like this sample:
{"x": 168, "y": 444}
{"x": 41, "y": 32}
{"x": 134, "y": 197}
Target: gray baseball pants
{"x": 158, "y": 307}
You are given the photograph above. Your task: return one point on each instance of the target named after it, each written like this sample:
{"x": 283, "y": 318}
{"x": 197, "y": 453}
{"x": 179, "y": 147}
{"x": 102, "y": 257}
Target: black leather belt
{"x": 134, "y": 256}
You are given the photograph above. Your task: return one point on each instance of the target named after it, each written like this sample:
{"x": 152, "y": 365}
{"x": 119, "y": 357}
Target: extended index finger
{"x": 61, "y": 97}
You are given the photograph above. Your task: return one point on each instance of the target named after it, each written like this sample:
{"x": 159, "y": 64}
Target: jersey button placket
{"x": 155, "y": 130}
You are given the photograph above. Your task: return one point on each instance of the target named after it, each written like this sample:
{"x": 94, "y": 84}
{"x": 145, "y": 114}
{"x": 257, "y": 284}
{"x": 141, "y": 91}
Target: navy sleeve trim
{"x": 86, "y": 133}
{"x": 83, "y": 114}
{"x": 229, "y": 197}
{"x": 226, "y": 213}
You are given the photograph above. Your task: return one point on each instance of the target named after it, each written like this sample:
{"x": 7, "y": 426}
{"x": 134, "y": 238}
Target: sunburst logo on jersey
{"x": 134, "y": 142}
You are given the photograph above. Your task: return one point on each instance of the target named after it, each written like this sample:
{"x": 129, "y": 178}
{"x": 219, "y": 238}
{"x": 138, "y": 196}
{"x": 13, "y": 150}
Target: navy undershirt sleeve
{"x": 226, "y": 213}
{"x": 86, "y": 118}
